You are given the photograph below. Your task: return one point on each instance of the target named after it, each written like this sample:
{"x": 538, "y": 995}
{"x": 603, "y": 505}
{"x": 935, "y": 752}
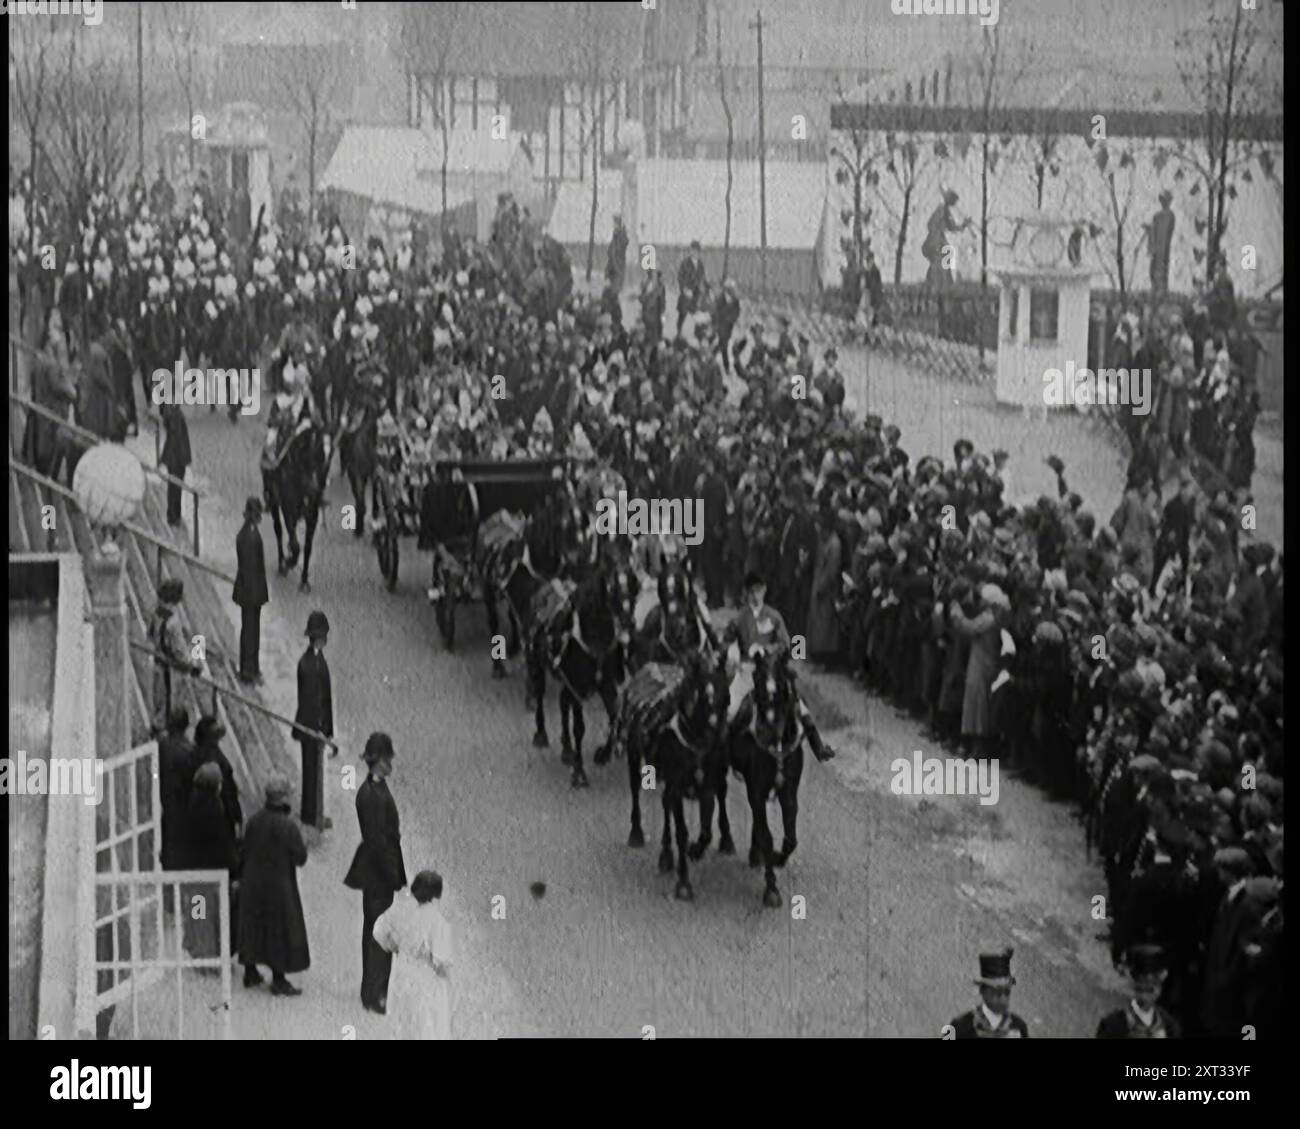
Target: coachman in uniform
{"x": 1143, "y": 1018}
{"x": 377, "y": 869}
{"x": 993, "y": 1018}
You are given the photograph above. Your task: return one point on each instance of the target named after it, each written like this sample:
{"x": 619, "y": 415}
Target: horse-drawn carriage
{"x": 451, "y": 505}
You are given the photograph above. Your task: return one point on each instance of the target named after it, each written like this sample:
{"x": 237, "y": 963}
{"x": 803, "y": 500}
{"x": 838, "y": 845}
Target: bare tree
{"x": 994, "y": 83}
{"x": 31, "y": 45}
{"x": 1223, "y": 74}
{"x": 310, "y": 79}
{"x": 182, "y": 24}
{"x": 1110, "y": 161}
{"x": 426, "y": 26}
{"x": 907, "y": 160}
{"x": 589, "y": 59}
{"x": 731, "y": 143}
{"x": 855, "y": 166}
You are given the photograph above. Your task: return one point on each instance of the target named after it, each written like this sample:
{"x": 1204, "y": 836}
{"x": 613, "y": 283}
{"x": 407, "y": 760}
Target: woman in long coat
{"x": 272, "y": 930}
{"x": 414, "y": 930}
{"x": 823, "y": 619}
{"x": 209, "y": 844}
{"x": 985, "y": 635}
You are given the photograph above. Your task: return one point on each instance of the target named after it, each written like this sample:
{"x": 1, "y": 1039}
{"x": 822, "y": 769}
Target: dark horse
{"x": 589, "y": 647}
{"x": 765, "y": 746}
{"x": 520, "y": 569}
{"x": 675, "y": 626}
{"x": 293, "y": 482}
{"x": 672, "y": 722}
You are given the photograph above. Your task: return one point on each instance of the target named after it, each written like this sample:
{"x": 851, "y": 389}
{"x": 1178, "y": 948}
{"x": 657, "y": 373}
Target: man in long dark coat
{"x": 377, "y": 868}
{"x": 250, "y": 591}
{"x": 272, "y": 930}
{"x": 176, "y": 456}
{"x": 316, "y": 712}
{"x": 176, "y": 765}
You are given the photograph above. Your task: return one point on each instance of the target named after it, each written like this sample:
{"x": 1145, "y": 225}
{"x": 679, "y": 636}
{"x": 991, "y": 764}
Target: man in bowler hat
{"x": 993, "y": 1018}
{"x": 315, "y": 711}
{"x": 250, "y": 591}
{"x": 1143, "y": 1018}
{"x": 377, "y": 869}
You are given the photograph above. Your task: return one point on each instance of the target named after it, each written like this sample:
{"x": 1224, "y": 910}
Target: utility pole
{"x": 762, "y": 159}
{"x": 139, "y": 84}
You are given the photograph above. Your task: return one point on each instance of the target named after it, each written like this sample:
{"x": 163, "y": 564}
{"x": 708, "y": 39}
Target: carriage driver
{"x": 759, "y": 627}
{"x": 293, "y": 411}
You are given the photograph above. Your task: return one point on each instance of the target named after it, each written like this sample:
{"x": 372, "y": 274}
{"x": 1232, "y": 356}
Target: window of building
{"x": 1013, "y": 312}
{"x": 1043, "y": 311}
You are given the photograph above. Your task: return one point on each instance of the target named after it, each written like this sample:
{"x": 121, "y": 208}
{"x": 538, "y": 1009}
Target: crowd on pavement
{"x": 1133, "y": 666}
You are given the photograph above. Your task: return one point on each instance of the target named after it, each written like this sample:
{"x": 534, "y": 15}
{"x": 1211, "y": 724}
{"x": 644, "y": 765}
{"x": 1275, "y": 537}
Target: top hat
{"x": 253, "y": 506}
{"x": 171, "y": 590}
{"x": 1146, "y": 962}
{"x": 754, "y": 580}
{"x": 995, "y": 970}
{"x": 318, "y": 625}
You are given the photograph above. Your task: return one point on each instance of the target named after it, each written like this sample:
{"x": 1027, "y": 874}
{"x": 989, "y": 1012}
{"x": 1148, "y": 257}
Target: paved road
{"x": 900, "y": 893}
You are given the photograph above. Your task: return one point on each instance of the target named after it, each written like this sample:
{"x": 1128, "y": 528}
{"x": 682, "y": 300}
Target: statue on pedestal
{"x": 941, "y": 222}
{"x": 1160, "y": 236}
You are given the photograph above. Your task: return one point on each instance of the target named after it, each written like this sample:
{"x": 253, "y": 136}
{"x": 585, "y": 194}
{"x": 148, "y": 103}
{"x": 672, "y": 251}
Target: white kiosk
{"x": 1043, "y": 307}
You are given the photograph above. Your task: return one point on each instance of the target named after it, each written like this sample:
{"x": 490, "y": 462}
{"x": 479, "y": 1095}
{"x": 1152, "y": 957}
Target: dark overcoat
{"x": 250, "y": 573}
{"x": 377, "y": 865}
{"x": 272, "y": 930}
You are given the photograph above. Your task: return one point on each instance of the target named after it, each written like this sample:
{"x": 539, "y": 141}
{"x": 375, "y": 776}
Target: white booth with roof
{"x": 1043, "y": 308}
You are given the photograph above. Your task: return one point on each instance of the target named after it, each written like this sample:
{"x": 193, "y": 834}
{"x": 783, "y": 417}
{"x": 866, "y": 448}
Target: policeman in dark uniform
{"x": 1143, "y": 1018}
{"x": 377, "y": 869}
{"x": 992, "y": 1019}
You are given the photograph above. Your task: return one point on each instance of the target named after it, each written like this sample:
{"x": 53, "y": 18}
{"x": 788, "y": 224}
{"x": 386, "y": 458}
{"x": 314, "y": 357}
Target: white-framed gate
{"x": 162, "y": 938}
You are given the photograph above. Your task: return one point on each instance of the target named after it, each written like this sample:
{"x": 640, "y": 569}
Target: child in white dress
{"x": 414, "y": 930}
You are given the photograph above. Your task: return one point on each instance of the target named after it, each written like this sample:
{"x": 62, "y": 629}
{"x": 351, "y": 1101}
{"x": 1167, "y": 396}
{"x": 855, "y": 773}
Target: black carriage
{"x": 456, "y": 497}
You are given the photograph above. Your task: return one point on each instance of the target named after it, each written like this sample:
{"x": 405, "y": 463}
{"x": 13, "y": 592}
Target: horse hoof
{"x": 360, "y": 530}
{"x": 772, "y": 897}
{"x": 755, "y": 857}
{"x": 540, "y": 741}
{"x": 636, "y": 838}
{"x": 696, "y": 850}
{"x": 566, "y": 754}
{"x": 304, "y": 586}
{"x": 726, "y": 846}
{"x": 683, "y": 892}
{"x": 579, "y": 779}
{"x": 665, "y": 862}
{"x": 601, "y": 755}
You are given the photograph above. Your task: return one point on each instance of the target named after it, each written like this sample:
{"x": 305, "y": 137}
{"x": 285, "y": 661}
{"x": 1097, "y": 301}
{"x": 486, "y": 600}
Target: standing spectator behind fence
{"x": 207, "y": 737}
{"x": 171, "y": 653}
{"x": 176, "y": 765}
{"x": 250, "y": 591}
{"x": 175, "y": 458}
{"x": 210, "y": 844}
